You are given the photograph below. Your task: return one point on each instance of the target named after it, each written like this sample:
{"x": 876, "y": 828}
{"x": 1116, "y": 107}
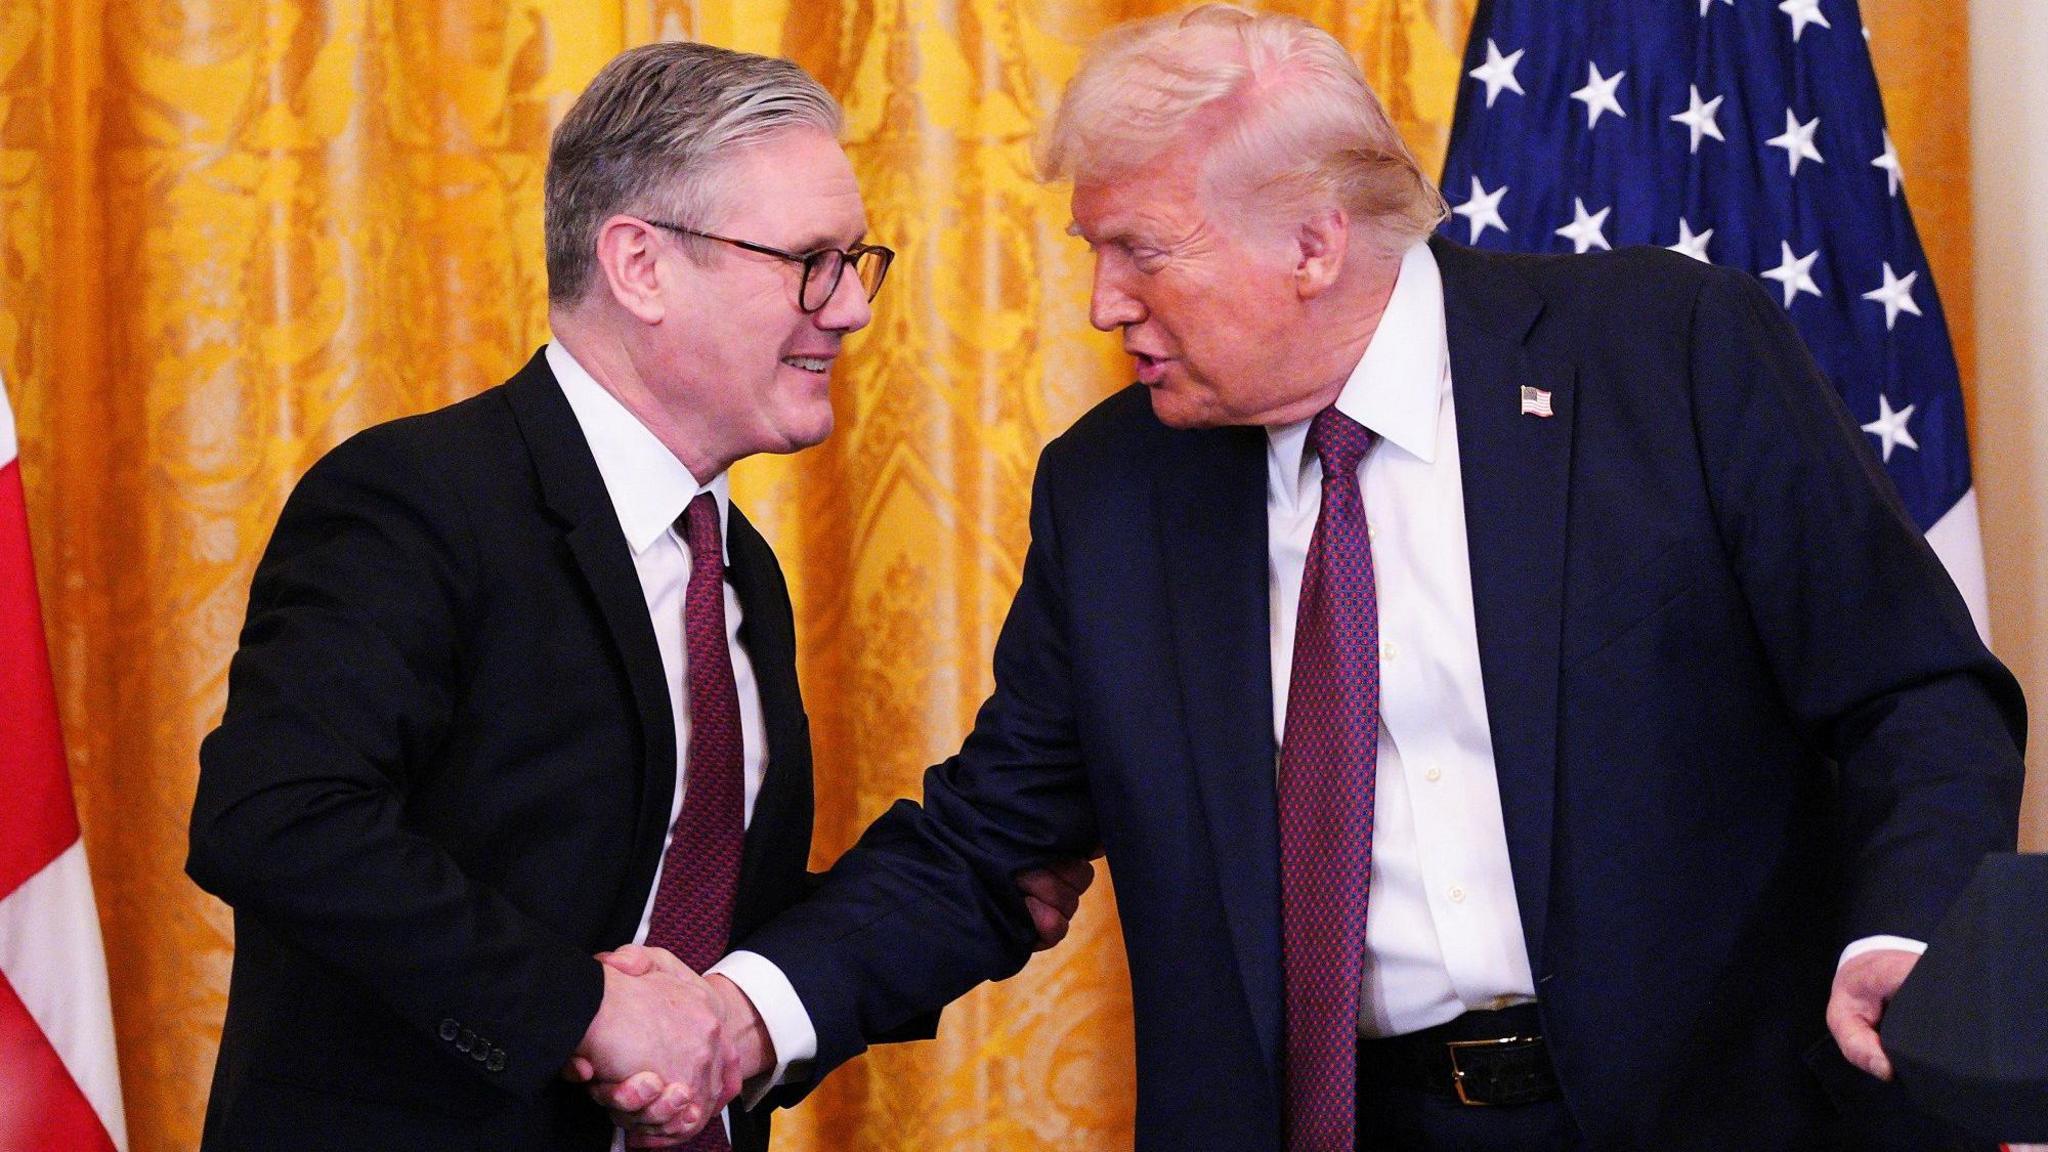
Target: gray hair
{"x": 648, "y": 137}
{"x": 1289, "y": 116}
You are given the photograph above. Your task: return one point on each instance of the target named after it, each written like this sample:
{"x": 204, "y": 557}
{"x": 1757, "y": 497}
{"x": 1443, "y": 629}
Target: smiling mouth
{"x": 815, "y": 365}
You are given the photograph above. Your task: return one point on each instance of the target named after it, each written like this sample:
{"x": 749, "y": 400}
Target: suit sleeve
{"x": 338, "y": 700}
{"x": 1871, "y": 645}
{"x": 925, "y": 906}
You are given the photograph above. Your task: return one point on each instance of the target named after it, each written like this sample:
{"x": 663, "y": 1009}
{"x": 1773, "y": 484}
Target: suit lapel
{"x": 574, "y": 491}
{"x": 1211, "y": 495}
{"x": 783, "y": 807}
{"x": 1516, "y": 472}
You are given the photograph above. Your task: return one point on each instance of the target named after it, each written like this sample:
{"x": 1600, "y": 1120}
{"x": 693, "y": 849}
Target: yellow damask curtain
{"x": 232, "y": 232}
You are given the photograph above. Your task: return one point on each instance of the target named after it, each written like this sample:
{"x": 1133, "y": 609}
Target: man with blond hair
{"x": 1515, "y": 713}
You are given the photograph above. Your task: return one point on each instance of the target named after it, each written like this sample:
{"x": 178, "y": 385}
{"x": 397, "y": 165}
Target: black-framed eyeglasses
{"x": 822, "y": 268}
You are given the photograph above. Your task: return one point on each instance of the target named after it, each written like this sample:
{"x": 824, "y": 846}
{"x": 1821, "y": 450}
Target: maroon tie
{"x": 1327, "y": 757}
{"x": 701, "y": 872}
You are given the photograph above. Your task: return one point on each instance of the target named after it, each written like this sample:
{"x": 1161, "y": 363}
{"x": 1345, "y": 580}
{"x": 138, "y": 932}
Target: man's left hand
{"x": 1053, "y": 895}
{"x": 1863, "y": 987}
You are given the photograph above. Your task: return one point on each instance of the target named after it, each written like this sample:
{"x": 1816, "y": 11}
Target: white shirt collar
{"x": 648, "y": 486}
{"x": 1398, "y": 386}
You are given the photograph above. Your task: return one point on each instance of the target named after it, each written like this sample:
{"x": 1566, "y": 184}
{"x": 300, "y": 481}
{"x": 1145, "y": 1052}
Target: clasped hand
{"x": 668, "y": 1047}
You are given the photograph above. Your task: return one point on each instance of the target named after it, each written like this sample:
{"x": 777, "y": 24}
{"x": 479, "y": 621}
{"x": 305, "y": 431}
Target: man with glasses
{"x": 518, "y": 683}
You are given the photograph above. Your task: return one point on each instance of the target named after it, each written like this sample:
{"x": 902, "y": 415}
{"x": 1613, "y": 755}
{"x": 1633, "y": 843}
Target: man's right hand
{"x": 667, "y": 1024}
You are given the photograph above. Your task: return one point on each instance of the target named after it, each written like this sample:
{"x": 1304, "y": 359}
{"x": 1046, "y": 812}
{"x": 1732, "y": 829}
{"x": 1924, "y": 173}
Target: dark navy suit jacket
{"x": 1739, "y": 716}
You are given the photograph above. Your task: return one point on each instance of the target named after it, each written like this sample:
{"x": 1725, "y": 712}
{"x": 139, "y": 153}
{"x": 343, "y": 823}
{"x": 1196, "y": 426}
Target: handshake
{"x": 668, "y": 1048}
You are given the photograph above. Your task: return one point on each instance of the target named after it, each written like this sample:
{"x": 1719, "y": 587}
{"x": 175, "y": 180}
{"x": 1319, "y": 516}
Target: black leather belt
{"x": 1480, "y": 1059}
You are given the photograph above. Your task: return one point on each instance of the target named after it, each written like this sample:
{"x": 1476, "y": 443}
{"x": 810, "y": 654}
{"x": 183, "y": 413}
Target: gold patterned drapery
{"x": 234, "y": 231}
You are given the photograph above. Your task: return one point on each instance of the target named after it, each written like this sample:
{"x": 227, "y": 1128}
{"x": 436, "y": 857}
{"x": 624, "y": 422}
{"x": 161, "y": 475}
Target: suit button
{"x": 467, "y": 1041}
{"x": 497, "y": 1061}
{"x": 449, "y": 1028}
{"x": 482, "y": 1051}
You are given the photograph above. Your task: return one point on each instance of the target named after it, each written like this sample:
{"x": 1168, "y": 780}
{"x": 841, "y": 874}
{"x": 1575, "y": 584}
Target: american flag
{"x": 1743, "y": 132}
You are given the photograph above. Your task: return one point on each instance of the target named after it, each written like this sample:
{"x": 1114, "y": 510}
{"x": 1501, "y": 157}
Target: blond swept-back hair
{"x": 652, "y": 134}
{"x": 1287, "y": 117}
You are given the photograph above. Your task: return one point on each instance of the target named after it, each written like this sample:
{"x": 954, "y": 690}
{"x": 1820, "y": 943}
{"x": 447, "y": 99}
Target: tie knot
{"x": 700, "y": 529}
{"x": 1340, "y": 441}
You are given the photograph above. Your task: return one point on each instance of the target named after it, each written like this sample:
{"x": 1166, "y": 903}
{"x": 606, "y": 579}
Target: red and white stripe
{"x": 1960, "y": 544}
{"x": 59, "y": 1085}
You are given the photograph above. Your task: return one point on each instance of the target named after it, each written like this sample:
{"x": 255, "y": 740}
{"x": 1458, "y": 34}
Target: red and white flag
{"x": 60, "y": 1088}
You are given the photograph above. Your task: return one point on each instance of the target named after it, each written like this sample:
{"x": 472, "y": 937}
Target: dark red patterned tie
{"x": 701, "y": 872}
{"x": 1327, "y": 757}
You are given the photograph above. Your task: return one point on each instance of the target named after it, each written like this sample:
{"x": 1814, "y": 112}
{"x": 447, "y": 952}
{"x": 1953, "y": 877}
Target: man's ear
{"x": 628, "y": 257}
{"x": 1321, "y": 240}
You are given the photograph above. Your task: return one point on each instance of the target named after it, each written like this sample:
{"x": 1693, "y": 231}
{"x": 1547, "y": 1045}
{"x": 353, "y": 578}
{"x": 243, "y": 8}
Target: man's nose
{"x": 847, "y": 309}
{"x": 1109, "y": 305}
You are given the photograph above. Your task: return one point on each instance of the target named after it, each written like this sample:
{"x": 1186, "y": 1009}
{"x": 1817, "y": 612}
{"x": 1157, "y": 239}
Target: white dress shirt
{"x": 1443, "y": 933}
{"x": 649, "y": 488}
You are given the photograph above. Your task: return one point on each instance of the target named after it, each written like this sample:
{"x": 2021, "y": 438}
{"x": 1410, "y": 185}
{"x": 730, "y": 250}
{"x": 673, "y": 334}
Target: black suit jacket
{"x": 442, "y": 783}
{"x": 1739, "y": 717}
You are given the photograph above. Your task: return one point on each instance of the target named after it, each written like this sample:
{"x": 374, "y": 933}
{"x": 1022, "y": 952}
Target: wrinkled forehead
{"x": 1170, "y": 186}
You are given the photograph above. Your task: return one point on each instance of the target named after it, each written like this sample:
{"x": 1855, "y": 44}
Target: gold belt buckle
{"x": 1458, "y": 1073}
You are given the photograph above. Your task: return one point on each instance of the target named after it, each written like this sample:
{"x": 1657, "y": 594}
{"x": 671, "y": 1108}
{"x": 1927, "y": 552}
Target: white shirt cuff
{"x": 1855, "y": 948}
{"x": 789, "y": 1025}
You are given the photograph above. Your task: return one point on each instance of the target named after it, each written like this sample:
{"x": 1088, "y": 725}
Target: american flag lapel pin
{"x": 1535, "y": 402}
